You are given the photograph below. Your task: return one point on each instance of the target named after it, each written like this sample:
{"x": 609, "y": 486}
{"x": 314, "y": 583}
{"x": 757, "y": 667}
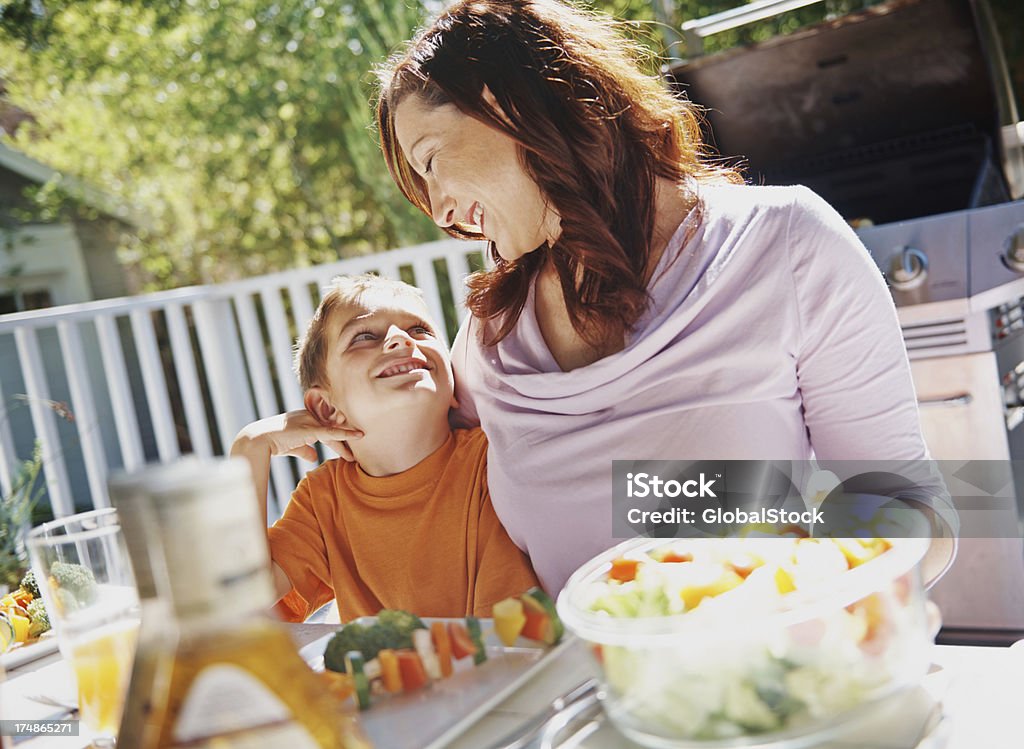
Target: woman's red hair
{"x": 594, "y": 133}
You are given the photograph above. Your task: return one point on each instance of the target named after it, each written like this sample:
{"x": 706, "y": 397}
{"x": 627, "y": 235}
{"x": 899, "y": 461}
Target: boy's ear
{"x": 319, "y": 404}
{"x": 455, "y": 402}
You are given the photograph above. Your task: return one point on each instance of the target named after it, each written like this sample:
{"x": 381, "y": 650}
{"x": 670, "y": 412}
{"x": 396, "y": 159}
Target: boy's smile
{"x": 406, "y": 365}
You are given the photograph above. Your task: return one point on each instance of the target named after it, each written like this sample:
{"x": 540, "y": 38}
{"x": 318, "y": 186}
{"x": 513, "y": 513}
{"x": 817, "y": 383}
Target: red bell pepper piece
{"x": 623, "y": 570}
{"x": 676, "y": 557}
{"x": 462, "y": 643}
{"x": 411, "y": 668}
{"x": 538, "y": 624}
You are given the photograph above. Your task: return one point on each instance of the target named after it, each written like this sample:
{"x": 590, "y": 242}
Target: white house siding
{"x": 47, "y": 256}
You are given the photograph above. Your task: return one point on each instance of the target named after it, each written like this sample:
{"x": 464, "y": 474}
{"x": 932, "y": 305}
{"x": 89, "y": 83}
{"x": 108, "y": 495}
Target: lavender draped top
{"x": 770, "y": 334}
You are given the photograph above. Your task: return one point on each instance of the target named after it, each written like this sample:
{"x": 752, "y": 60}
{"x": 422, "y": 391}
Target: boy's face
{"x": 385, "y": 361}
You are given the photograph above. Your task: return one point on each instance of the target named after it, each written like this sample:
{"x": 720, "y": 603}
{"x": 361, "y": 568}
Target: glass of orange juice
{"x": 85, "y": 576}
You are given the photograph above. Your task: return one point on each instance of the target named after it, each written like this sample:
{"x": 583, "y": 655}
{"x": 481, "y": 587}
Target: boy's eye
{"x": 364, "y": 336}
{"x": 421, "y": 330}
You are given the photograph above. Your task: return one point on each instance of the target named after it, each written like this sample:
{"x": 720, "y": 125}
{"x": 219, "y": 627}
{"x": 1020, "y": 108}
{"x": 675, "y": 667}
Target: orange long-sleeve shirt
{"x": 426, "y": 540}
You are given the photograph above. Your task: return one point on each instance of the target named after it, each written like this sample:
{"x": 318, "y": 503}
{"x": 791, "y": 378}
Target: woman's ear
{"x": 491, "y": 101}
{"x": 319, "y": 404}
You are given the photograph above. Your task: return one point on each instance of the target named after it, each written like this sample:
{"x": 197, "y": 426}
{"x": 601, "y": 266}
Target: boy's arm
{"x": 282, "y": 585}
{"x": 292, "y": 433}
{"x": 259, "y": 465}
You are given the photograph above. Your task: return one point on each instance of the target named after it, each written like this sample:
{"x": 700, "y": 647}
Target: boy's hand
{"x": 292, "y": 433}
{"x": 344, "y": 451}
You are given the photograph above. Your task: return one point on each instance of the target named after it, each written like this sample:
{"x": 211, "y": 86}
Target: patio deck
{"x": 149, "y": 378}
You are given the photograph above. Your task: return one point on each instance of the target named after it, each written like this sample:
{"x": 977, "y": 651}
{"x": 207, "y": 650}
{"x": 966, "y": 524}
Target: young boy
{"x": 409, "y": 525}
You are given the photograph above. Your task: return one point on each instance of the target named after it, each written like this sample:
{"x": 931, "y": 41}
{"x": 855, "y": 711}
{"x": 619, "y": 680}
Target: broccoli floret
{"x": 393, "y": 637}
{"x": 393, "y": 629}
{"x": 368, "y": 640}
{"x": 28, "y": 584}
{"x": 40, "y": 620}
{"x": 403, "y": 621}
{"x": 75, "y": 579}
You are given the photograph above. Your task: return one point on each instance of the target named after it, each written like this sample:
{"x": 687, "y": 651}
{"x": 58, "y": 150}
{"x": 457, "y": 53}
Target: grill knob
{"x": 909, "y": 267}
{"x": 1014, "y": 257}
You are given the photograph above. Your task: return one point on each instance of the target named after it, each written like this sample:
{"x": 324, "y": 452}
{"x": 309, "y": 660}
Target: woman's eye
{"x": 429, "y": 166}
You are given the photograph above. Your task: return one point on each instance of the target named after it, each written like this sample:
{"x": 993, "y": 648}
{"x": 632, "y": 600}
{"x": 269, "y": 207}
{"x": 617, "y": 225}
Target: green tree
{"x": 239, "y": 131}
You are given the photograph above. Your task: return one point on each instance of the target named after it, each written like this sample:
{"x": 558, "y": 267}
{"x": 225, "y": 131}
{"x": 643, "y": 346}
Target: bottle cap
{"x": 205, "y": 518}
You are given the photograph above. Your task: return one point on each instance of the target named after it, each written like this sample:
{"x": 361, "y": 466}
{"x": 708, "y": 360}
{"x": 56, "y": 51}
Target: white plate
{"x": 433, "y": 716}
{"x": 25, "y": 653}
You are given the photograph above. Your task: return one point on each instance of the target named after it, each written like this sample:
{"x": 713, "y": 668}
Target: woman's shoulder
{"x": 723, "y": 200}
{"x": 788, "y": 213}
{"x": 730, "y": 215}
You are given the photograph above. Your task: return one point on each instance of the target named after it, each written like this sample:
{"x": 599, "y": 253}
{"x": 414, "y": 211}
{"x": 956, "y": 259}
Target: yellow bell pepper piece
{"x": 509, "y": 619}
{"x": 859, "y": 551}
{"x": 21, "y": 624}
{"x": 784, "y": 581}
{"x": 692, "y": 595}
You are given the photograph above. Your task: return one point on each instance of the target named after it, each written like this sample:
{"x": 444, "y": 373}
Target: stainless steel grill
{"x": 901, "y": 116}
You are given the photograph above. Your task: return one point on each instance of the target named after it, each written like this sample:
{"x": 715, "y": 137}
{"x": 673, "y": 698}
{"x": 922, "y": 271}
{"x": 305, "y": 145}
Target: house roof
{"x": 36, "y": 171}
{"x": 11, "y": 116}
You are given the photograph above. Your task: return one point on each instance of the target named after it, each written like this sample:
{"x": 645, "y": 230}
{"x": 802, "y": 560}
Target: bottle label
{"x": 228, "y": 700}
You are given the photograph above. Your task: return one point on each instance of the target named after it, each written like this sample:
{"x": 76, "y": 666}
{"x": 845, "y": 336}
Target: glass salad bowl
{"x": 750, "y": 642}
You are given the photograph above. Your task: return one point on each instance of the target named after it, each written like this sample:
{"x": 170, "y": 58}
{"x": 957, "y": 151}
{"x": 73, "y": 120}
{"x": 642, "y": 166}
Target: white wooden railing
{"x": 149, "y": 377}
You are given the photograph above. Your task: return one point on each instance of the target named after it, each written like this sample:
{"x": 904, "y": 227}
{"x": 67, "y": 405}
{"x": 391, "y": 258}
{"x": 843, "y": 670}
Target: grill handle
{"x": 695, "y": 31}
{"x": 961, "y": 399}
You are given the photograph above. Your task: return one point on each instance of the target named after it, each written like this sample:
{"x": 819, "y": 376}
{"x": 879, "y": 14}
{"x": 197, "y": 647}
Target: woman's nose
{"x": 396, "y": 338}
{"x": 442, "y": 208}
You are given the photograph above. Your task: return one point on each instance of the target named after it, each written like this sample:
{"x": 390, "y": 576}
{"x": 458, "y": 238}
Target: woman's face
{"x": 474, "y": 177}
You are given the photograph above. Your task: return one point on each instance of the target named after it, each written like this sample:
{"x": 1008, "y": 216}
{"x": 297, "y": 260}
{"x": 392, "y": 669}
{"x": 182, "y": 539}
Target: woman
{"x": 644, "y": 303}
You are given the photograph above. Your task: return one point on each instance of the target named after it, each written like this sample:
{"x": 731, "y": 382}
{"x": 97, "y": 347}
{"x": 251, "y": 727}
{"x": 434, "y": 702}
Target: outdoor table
{"x": 980, "y": 692}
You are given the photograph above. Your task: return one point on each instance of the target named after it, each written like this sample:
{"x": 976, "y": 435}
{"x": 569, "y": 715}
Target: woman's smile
{"x": 475, "y": 217}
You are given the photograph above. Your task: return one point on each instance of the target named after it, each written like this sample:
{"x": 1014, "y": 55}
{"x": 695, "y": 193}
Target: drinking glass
{"x": 84, "y": 573}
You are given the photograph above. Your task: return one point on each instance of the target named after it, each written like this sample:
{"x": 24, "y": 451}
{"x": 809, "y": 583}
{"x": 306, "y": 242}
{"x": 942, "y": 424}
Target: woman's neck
{"x": 672, "y": 204}
{"x": 569, "y": 349}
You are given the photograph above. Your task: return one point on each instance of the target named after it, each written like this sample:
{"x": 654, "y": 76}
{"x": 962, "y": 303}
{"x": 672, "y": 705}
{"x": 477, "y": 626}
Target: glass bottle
{"x": 158, "y": 636}
{"x": 235, "y": 679}
{"x": 5, "y": 741}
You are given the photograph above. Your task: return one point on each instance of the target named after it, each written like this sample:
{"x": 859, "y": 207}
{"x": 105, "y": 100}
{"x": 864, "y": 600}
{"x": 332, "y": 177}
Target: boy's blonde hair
{"x": 311, "y": 349}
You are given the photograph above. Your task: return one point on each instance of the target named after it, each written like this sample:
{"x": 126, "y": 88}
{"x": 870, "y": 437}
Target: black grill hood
{"x": 889, "y": 113}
